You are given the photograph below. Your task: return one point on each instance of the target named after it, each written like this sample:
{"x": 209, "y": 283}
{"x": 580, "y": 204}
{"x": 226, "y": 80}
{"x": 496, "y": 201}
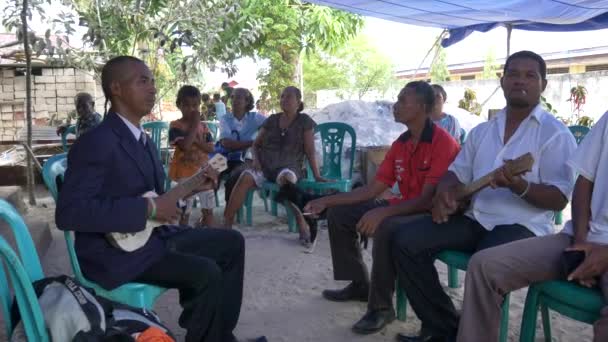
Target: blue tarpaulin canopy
{"x": 462, "y": 17}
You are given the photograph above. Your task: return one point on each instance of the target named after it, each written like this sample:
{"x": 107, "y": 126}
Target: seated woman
{"x": 283, "y": 142}
{"x": 441, "y": 119}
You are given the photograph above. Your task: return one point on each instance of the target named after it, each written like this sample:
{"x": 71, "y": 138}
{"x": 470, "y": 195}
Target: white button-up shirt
{"x": 137, "y": 131}
{"x": 591, "y": 162}
{"x": 551, "y": 145}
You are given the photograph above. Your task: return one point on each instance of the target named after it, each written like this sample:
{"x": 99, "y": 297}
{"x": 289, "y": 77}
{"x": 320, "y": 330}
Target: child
{"x": 193, "y": 142}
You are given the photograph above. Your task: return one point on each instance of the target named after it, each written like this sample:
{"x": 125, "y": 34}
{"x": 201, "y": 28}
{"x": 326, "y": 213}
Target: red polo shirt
{"x": 413, "y": 166}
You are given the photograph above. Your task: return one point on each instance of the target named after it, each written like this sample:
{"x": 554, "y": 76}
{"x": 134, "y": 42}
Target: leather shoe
{"x": 374, "y": 321}
{"x": 404, "y": 338}
{"x": 352, "y": 291}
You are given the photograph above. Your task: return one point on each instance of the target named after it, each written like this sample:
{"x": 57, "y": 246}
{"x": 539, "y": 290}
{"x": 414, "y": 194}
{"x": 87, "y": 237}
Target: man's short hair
{"x": 83, "y": 97}
{"x": 529, "y": 55}
{"x": 424, "y": 92}
{"x": 217, "y": 97}
{"x": 439, "y": 90}
{"x": 187, "y": 91}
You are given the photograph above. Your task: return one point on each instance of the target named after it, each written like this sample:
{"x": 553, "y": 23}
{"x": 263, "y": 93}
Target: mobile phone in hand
{"x": 571, "y": 260}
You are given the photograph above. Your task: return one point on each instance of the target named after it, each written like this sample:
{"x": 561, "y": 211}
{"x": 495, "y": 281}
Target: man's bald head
{"x": 117, "y": 69}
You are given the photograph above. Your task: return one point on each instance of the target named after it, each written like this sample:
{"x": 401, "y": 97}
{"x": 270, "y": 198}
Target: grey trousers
{"x": 346, "y": 250}
{"x": 494, "y": 272}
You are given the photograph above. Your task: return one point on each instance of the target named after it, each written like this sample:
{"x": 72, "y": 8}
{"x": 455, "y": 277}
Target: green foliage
{"x": 469, "y": 102}
{"x": 357, "y": 69}
{"x": 585, "y": 121}
{"x": 548, "y": 106}
{"x": 490, "y": 68}
{"x": 439, "y": 68}
{"x": 292, "y": 29}
{"x": 323, "y": 71}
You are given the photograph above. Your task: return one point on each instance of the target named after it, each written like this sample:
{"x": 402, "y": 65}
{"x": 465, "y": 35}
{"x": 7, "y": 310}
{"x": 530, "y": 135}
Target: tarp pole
{"x": 509, "y": 29}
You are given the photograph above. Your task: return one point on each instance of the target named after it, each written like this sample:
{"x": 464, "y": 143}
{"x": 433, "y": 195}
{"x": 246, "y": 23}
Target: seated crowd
{"x": 507, "y": 225}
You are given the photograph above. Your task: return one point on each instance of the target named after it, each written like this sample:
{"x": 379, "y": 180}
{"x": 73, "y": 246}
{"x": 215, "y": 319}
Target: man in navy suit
{"x": 108, "y": 170}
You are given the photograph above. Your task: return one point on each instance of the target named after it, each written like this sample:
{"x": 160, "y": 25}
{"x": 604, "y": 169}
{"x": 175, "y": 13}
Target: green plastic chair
{"x": 64, "y": 137}
{"x": 332, "y": 139}
{"x": 213, "y": 128}
{"x": 23, "y": 271}
{"x": 456, "y": 261}
{"x": 463, "y": 136}
{"x": 579, "y": 133}
{"x": 567, "y": 298}
{"x": 332, "y": 142}
{"x": 156, "y": 130}
{"x": 134, "y": 294}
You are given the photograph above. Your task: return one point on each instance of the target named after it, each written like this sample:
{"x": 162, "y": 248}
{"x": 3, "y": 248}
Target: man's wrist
{"x": 520, "y": 188}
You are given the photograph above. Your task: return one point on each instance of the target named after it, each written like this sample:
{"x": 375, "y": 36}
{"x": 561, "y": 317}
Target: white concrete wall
{"x": 557, "y": 93}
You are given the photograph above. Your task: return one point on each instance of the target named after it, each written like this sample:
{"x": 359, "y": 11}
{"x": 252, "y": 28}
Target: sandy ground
{"x": 282, "y": 295}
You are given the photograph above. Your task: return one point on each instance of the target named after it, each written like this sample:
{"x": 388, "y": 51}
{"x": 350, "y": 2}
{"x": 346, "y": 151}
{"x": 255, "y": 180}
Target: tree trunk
{"x": 28, "y": 100}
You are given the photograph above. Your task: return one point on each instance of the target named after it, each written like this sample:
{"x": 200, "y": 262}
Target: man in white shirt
{"x": 516, "y": 207}
{"x": 495, "y": 272}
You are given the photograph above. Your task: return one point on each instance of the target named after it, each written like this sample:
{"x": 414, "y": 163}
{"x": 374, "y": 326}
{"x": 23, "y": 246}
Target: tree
{"x": 367, "y": 68}
{"x": 490, "y": 68}
{"x": 174, "y": 37}
{"x": 15, "y": 18}
{"x": 291, "y": 29}
{"x": 439, "y": 68}
{"x": 357, "y": 68}
{"x": 323, "y": 71}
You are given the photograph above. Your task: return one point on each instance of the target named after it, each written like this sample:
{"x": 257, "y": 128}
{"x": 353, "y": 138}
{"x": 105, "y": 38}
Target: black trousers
{"x": 206, "y": 266}
{"x": 414, "y": 248}
{"x": 346, "y": 250}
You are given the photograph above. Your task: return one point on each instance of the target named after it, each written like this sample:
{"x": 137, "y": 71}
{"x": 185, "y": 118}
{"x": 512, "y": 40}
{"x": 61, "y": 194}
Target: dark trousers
{"x": 231, "y": 175}
{"x": 206, "y": 266}
{"x": 414, "y": 248}
{"x": 346, "y": 251}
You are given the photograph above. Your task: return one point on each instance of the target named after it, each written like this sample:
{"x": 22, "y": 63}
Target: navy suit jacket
{"x": 107, "y": 174}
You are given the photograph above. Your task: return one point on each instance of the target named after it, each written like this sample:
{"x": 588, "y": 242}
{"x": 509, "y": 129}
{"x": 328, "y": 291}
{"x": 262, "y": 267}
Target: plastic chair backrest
{"x": 332, "y": 140}
{"x": 53, "y": 171}
{"x": 579, "y": 132}
{"x": 463, "y": 136}
{"x": 155, "y": 130}
{"x": 29, "y": 309}
{"x": 23, "y": 271}
{"x": 214, "y": 128}
{"x": 23, "y": 239}
{"x": 64, "y": 137}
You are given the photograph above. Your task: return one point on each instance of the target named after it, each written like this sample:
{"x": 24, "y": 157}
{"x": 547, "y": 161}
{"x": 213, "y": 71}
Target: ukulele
{"x": 129, "y": 242}
{"x": 516, "y": 167}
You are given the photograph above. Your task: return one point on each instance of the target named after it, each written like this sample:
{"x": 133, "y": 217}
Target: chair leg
{"x": 291, "y": 220}
{"x": 401, "y": 303}
{"x": 558, "y": 217}
{"x": 274, "y": 210}
{"x": 528, "y": 320}
{"x": 453, "y": 277}
{"x": 264, "y": 196}
{"x": 544, "y": 311}
{"x": 504, "y": 322}
{"x": 249, "y": 207}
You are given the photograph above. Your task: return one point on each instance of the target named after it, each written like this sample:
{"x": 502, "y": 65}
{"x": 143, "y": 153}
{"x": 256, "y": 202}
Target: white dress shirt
{"x": 591, "y": 162}
{"x": 551, "y": 145}
{"x": 137, "y": 131}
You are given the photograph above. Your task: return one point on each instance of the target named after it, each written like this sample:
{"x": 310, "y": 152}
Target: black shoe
{"x": 374, "y": 321}
{"x": 404, "y": 338}
{"x": 351, "y": 292}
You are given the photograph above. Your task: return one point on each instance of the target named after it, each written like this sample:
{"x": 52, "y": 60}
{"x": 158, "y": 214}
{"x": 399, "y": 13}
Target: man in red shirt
{"x": 416, "y": 161}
